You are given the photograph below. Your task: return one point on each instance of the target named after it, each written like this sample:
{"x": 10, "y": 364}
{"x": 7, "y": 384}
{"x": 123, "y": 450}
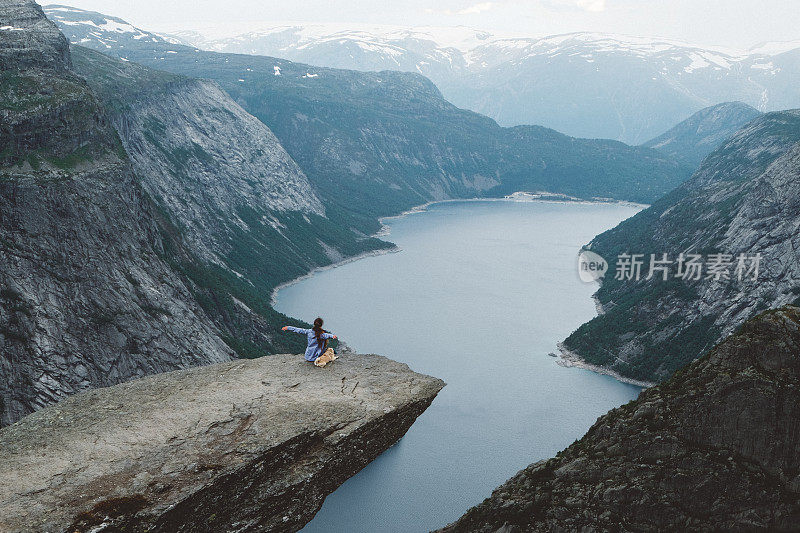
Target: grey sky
{"x": 731, "y": 23}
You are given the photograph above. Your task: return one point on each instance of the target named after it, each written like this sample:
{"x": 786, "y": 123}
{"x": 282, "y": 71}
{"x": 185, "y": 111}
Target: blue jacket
{"x": 314, "y": 350}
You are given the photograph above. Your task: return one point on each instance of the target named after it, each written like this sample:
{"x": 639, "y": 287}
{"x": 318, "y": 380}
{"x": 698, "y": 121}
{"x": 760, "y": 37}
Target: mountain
{"x": 378, "y": 143}
{"x": 697, "y": 136}
{"x": 30, "y": 41}
{"x": 87, "y": 295}
{"x": 632, "y": 89}
{"x": 716, "y": 447}
{"x": 182, "y": 211}
{"x": 146, "y": 220}
{"x": 584, "y": 84}
{"x": 111, "y": 32}
{"x": 433, "y": 52}
{"x": 244, "y": 209}
{"x": 744, "y": 199}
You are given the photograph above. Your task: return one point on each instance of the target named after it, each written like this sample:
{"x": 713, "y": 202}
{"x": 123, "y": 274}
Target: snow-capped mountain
{"x": 587, "y": 46}
{"x": 267, "y": 40}
{"x": 596, "y": 85}
{"x": 436, "y": 52}
{"x": 583, "y": 84}
{"x": 111, "y": 31}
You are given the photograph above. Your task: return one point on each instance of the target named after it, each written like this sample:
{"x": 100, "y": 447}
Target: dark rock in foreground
{"x": 244, "y": 446}
{"x": 716, "y": 447}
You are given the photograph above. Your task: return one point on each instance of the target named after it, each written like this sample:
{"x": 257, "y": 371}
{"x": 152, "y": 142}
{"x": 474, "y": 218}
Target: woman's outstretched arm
{"x": 296, "y": 330}
{"x": 327, "y": 335}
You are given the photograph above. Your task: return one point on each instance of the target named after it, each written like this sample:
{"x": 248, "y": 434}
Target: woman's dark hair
{"x": 318, "y": 331}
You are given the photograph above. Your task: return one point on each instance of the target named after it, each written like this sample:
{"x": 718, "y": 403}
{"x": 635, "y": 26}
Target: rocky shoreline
{"x": 570, "y": 359}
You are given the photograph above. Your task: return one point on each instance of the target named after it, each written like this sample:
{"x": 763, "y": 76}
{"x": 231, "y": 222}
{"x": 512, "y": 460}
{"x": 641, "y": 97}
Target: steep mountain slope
{"x": 170, "y": 125}
{"x": 744, "y": 199}
{"x": 717, "y": 447}
{"x": 87, "y": 297}
{"x": 380, "y": 143}
{"x": 584, "y": 84}
{"x": 697, "y": 136}
{"x": 245, "y": 210}
{"x": 389, "y": 141}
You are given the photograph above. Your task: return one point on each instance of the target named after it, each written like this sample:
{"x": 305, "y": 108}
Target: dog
{"x": 328, "y": 357}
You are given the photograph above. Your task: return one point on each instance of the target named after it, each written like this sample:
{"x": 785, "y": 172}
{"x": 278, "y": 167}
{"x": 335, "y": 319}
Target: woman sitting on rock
{"x": 317, "y": 342}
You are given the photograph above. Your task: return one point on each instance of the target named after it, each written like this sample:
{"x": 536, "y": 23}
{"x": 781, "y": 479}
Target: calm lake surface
{"x": 479, "y": 295}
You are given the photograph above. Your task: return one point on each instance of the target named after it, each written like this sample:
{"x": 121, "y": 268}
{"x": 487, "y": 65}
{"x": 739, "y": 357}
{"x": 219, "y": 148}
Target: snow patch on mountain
{"x": 107, "y": 30}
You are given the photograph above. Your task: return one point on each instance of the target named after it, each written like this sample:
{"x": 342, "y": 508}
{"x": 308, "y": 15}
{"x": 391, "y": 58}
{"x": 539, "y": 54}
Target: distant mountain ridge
{"x": 583, "y": 84}
{"x": 388, "y": 141}
{"x": 699, "y": 135}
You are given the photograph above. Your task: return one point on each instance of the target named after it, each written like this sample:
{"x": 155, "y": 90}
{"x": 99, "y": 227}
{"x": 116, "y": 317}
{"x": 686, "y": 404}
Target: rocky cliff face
{"x": 87, "y": 298}
{"x": 196, "y": 151}
{"x": 247, "y": 214}
{"x": 243, "y": 446}
{"x": 699, "y": 135}
{"x": 744, "y": 199}
{"x": 29, "y": 40}
{"x": 716, "y": 447}
{"x": 45, "y": 110}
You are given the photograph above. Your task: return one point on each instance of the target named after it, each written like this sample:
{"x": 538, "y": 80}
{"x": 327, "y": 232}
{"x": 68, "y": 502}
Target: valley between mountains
{"x": 245, "y": 185}
{"x": 153, "y": 194}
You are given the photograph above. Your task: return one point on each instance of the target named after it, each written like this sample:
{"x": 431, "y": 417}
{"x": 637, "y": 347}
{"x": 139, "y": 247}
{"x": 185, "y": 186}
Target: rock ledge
{"x": 252, "y": 445}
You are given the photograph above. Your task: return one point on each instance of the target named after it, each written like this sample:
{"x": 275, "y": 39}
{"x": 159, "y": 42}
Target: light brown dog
{"x": 324, "y": 359}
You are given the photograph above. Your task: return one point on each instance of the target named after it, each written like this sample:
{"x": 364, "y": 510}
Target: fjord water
{"x": 479, "y": 294}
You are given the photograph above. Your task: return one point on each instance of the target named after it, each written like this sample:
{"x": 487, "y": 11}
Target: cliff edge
{"x": 714, "y": 448}
{"x": 251, "y": 445}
